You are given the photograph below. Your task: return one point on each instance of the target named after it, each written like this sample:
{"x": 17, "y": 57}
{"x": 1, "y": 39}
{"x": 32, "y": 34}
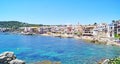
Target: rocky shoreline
{"x": 10, "y": 58}
{"x": 115, "y": 60}
{"x": 92, "y": 39}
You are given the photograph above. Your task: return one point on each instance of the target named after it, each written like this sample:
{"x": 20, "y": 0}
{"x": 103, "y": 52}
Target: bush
{"x": 117, "y": 36}
{"x": 114, "y": 61}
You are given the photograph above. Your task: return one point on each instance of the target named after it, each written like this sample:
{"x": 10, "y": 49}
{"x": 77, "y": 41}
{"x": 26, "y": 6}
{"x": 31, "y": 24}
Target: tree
{"x": 16, "y": 24}
{"x": 95, "y": 23}
{"x": 113, "y": 21}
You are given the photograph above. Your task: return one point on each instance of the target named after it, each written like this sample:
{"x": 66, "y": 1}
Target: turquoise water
{"x": 68, "y": 51}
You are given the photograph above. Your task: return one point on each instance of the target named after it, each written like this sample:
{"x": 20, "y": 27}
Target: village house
{"x": 44, "y": 29}
{"x": 78, "y": 30}
{"x": 116, "y": 27}
{"x": 88, "y": 30}
{"x": 29, "y": 29}
{"x": 69, "y": 29}
{"x": 101, "y": 30}
{"x": 110, "y": 32}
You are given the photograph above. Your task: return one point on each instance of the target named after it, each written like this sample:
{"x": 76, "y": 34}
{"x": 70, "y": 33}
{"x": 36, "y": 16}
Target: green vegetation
{"x": 16, "y": 24}
{"x": 78, "y": 33}
{"x": 95, "y": 24}
{"x": 114, "y": 61}
{"x": 117, "y": 36}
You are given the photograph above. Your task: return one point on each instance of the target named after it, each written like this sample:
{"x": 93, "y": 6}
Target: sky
{"x": 52, "y": 12}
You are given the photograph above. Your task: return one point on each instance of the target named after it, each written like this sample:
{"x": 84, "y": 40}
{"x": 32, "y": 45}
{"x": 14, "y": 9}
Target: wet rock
{"x": 16, "y": 61}
{"x": 6, "y": 57}
{"x": 9, "y": 58}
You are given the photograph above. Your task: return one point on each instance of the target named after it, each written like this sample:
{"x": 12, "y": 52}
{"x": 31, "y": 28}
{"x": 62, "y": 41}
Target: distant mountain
{"x": 16, "y": 24}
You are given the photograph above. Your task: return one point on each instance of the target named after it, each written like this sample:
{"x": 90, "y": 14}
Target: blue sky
{"x": 60, "y": 11}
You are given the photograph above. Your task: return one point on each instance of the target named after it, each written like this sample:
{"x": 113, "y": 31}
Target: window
{"x": 115, "y": 25}
{"x": 111, "y": 27}
{"x": 118, "y": 30}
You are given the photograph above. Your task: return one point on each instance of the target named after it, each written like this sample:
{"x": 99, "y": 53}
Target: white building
{"x": 110, "y": 32}
{"x": 100, "y": 30}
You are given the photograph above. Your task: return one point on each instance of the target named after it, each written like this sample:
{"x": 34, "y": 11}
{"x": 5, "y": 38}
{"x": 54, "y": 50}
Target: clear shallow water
{"x": 68, "y": 51}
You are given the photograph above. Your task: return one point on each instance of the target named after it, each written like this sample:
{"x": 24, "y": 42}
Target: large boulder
{"x": 6, "y": 57}
{"x": 16, "y": 61}
{"x": 9, "y": 58}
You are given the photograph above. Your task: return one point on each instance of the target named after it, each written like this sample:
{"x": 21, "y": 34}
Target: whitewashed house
{"x": 110, "y": 32}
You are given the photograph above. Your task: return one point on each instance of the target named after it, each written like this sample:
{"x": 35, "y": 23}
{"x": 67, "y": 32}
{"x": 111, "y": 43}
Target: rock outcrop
{"x": 47, "y": 62}
{"x": 17, "y": 61}
{"x": 9, "y": 58}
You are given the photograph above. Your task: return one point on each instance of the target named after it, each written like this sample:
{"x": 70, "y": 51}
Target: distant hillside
{"x": 15, "y": 24}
